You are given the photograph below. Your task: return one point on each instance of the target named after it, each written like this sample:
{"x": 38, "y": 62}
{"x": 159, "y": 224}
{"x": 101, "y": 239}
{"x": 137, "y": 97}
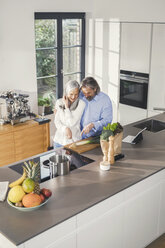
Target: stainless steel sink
{"x": 151, "y": 125}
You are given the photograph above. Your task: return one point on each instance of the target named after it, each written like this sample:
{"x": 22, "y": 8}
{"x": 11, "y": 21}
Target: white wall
{"x": 130, "y": 10}
{"x": 103, "y": 50}
{"x": 17, "y": 40}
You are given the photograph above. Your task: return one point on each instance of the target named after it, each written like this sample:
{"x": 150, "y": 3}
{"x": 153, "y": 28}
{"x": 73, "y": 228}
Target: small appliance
{"x": 14, "y": 108}
{"x": 134, "y": 88}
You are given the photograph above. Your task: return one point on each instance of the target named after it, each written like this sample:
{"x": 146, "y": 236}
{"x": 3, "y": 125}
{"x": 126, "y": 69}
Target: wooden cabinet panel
{"x": 7, "y": 149}
{"x": 29, "y": 142}
{"x": 22, "y": 141}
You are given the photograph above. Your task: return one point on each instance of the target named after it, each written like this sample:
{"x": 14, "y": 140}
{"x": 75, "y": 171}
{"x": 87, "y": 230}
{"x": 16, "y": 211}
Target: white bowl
{"x": 27, "y": 209}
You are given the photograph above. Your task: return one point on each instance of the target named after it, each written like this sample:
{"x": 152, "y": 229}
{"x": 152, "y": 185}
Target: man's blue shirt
{"x": 97, "y": 111}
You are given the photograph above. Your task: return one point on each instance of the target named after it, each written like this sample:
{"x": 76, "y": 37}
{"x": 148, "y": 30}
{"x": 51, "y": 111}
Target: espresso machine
{"x": 14, "y": 108}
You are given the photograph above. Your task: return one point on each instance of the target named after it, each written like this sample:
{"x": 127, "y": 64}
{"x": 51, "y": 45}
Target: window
{"x": 60, "y": 51}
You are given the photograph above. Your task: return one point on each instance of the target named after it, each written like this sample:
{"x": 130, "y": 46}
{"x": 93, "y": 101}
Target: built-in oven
{"x": 134, "y": 88}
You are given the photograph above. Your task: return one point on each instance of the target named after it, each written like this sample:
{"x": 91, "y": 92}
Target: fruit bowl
{"x": 27, "y": 209}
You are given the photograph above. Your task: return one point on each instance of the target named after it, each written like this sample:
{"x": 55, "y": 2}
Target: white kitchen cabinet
{"x": 60, "y": 236}
{"x": 162, "y": 209}
{"x": 106, "y": 231}
{"x": 66, "y": 242}
{"x": 156, "y": 94}
{"x": 144, "y": 214}
{"x": 141, "y": 218}
{"x": 101, "y": 225}
{"x": 132, "y": 218}
{"x": 134, "y": 56}
{"x": 135, "y": 47}
{"x": 5, "y": 243}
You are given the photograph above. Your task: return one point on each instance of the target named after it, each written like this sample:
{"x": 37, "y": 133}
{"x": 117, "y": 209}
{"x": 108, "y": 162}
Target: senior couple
{"x": 82, "y": 112}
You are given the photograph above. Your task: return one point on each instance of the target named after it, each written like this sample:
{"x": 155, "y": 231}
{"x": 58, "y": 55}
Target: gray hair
{"x": 71, "y": 85}
{"x": 91, "y": 83}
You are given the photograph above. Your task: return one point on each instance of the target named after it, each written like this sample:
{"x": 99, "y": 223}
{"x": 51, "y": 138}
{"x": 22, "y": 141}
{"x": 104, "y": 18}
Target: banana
{"x": 19, "y": 180}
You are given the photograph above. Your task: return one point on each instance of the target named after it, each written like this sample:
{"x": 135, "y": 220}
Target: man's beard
{"x": 89, "y": 98}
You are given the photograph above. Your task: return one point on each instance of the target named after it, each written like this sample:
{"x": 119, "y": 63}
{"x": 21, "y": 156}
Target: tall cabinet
{"x": 157, "y": 74}
{"x": 135, "y": 47}
{"x": 134, "y": 56}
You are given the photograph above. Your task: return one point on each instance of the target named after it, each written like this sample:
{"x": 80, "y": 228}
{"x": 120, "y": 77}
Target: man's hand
{"x": 87, "y": 128}
{"x": 68, "y": 133}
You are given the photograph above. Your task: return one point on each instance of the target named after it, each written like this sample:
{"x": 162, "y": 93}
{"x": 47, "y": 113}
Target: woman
{"x": 68, "y": 112}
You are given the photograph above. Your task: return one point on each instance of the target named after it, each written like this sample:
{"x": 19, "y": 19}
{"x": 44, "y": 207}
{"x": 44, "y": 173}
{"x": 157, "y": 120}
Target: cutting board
{"x": 82, "y": 148}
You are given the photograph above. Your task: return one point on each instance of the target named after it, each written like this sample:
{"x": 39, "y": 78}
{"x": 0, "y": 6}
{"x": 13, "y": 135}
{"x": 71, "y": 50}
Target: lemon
{"x": 16, "y": 194}
{"x": 28, "y": 185}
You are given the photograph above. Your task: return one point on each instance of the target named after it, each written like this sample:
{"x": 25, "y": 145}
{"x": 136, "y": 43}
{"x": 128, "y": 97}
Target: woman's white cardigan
{"x": 68, "y": 118}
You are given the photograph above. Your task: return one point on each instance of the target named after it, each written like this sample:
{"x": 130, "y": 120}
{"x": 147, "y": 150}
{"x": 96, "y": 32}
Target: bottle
{"x": 111, "y": 158}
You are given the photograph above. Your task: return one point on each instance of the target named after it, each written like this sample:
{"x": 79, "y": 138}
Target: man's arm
{"x": 106, "y": 116}
{"x": 97, "y": 126}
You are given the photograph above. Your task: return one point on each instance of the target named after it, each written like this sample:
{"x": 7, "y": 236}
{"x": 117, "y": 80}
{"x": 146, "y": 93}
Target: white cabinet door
{"x": 66, "y": 242}
{"x": 162, "y": 207}
{"x": 105, "y": 232}
{"x": 141, "y": 218}
{"x": 60, "y": 236}
{"x": 135, "y": 47}
{"x": 157, "y": 74}
{"x": 102, "y": 225}
{"x": 5, "y": 243}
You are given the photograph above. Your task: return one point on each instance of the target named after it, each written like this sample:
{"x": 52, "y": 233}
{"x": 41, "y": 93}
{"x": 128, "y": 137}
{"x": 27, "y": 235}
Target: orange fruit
{"x": 31, "y": 200}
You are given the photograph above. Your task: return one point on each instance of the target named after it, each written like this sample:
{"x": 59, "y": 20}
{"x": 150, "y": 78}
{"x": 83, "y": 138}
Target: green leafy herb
{"x": 111, "y": 130}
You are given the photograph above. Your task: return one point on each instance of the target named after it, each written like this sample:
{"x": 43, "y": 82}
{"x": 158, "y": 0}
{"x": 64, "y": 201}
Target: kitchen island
{"x": 123, "y": 207}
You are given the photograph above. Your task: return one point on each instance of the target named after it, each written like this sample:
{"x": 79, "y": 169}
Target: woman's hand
{"x": 55, "y": 111}
{"x": 66, "y": 101}
{"x": 68, "y": 133}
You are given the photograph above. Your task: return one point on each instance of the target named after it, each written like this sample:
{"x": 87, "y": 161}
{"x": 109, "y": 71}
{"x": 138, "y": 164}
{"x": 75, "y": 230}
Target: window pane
{"x": 45, "y": 33}
{"x": 71, "y": 59}
{"x": 46, "y": 62}
{"x": 47, "y": 88}
{"x": 72, "y": 77}
{"x": 71, "y": 32}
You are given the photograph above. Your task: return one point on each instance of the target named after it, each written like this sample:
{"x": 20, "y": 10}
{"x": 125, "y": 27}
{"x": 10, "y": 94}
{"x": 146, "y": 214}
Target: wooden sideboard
{"x": 23, "y": 140}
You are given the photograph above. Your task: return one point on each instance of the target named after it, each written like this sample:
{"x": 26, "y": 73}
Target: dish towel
{"x": 3, "y": 190}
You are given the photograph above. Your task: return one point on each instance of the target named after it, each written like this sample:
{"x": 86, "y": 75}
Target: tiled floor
{"x": 158, "y": 243}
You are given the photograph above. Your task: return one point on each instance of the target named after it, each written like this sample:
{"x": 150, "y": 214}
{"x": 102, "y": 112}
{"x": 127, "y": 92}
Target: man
{"x": 98, "y": 109}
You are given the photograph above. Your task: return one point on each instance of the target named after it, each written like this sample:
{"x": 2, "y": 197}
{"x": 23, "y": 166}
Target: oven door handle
{"x": 134, "y": 80}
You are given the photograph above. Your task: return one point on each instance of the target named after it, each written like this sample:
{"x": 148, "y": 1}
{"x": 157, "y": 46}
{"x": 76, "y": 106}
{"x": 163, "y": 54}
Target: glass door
{"x": 60, "y": 52}
{"x": 72, "y": 49}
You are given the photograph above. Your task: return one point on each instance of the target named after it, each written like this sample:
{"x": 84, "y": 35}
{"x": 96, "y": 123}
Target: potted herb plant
{"x": 41, "y": 103}
{"x": 47, "y": 105}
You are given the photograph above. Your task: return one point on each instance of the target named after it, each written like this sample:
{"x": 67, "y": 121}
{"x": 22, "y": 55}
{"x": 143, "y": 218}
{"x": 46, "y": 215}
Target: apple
{"x": 46, "y": 192}
{"x": 42, "y": 197}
